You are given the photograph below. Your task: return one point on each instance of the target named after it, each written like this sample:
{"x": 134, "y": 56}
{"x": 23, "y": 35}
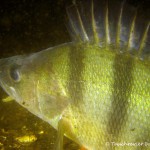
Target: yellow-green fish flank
{"x": 96, "y": 89}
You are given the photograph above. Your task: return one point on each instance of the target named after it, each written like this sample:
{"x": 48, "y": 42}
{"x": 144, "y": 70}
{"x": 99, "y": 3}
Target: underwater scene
{"x": 92, "y": 116}
{"x": 26, "y": 27}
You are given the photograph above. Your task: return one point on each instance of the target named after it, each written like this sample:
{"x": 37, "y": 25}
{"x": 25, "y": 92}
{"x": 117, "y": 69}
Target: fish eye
{"x": 15, "y": 75}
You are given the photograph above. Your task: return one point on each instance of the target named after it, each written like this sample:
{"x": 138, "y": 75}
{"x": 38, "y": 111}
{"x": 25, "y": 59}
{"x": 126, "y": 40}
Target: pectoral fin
{"x": 64, "y": 128}
{"x": 60, "y": 135}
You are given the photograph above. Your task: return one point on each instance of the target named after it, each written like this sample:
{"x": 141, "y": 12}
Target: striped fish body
{"x": 88, "y": 90}
{"x": 114, "y": 107}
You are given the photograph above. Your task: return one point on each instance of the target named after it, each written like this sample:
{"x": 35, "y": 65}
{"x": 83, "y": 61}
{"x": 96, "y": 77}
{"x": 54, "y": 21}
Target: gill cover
{"x": 34, "y": 84}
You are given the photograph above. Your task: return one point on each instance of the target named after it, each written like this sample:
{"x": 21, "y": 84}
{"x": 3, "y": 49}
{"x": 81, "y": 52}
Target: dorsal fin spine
{"x": 71, "y": 24}
{"x": 131, "y": 33}
{"x": 119, "y": 26}
{"x": 74, "y": 29}
{"x": 107, "y": 25}
{"x": 96, "y": 38}
{"x": 143, "y": 39}
{"x": 81, "y": 24}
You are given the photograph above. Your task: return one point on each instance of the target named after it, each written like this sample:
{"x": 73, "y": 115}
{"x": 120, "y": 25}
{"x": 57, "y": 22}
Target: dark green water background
{"x": 28, "y": 26}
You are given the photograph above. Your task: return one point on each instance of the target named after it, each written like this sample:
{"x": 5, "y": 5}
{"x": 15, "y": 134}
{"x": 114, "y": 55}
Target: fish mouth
{"x": 5, "y": 87}
{"x": 3, "y": 78}
{"x": 5, "y": 81}
{"x": 9, "y": 90}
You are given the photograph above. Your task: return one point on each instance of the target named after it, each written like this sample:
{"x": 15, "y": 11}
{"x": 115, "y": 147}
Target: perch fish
{"x": 96, "y": 89}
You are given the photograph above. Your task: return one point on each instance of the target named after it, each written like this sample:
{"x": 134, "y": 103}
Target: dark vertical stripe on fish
{"x": 123, "y": 66}
{"x": 75, "y": 84}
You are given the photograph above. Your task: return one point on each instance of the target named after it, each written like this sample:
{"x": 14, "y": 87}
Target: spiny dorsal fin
{"x": 104, "y": 23}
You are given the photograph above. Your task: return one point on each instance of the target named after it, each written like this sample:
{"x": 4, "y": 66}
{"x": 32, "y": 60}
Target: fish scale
{"x": 94, "y": 90}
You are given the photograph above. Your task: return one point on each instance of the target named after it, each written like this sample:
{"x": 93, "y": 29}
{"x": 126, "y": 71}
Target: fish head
{"x": 11, "y": 76}
{"x": 17, "y": 78}
{"x": 33, "y": 84}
